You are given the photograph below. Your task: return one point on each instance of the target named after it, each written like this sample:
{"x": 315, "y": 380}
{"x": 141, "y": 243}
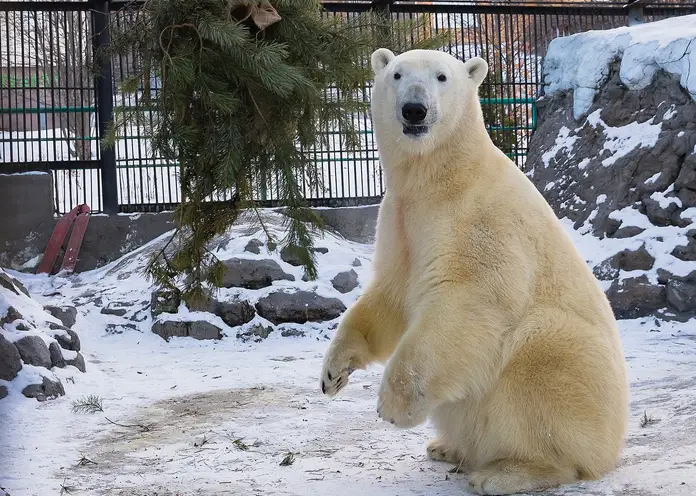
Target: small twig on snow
{"x": 143, "y": 428}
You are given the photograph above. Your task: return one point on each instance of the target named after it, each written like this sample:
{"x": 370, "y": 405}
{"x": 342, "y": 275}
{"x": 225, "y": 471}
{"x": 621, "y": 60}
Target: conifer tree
{"x": 246, "y": 87}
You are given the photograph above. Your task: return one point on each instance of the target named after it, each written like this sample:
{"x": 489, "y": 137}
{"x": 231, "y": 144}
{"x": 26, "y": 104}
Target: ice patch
{"x": 601, "y": 199}
{"x": 549, "y": 186}
{"x": 670, "y": 113}
{"x": 583, "y": 163}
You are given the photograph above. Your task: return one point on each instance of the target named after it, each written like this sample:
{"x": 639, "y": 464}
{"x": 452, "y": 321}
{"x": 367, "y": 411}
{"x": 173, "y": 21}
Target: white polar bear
{"x": 495, "y": 325}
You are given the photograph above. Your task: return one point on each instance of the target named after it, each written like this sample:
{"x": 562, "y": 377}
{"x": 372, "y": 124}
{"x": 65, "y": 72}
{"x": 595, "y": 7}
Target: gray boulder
{"x": 345, "y": 282}
{"x": 11, "y": 315}
{"x": 233, "y": 313}
{"x": 635, "y": 297}
{"x": 299, "y": 307}
{"x": 10, "y": 360}
{"x": 255, "y": 333}
{"x": 12, "y": 284}
{"x": 113, "y": 310}
{"x": 77, "y": 362}
{"x": 681, "y": 295}
{"x": 357, "y": 263}
{"x": 56, "y": 353}
{"x": 34, "y": 351}
{"x": 254, "y": 246}
{"x": 252, "y": 274}
{"x": 164, "y": 301}
{"x": 291, "y": 254}
{"x": 67, "y": 338}
{"x": 66, "y": 314}
{"x": 48, "y": 389}
{"x": 3, "y": 393}
{"x": 196, "y": 329}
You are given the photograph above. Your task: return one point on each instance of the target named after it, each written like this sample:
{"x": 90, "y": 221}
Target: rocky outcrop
{"x": 41, "y": 343}
{"x": 198, "y": 329}
{"x": 345, "y": 282}
{"x": 615, "y": 153}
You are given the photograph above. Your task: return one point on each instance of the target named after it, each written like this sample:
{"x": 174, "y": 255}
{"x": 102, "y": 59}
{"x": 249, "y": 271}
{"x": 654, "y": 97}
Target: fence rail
{"x": 54, "y": 109}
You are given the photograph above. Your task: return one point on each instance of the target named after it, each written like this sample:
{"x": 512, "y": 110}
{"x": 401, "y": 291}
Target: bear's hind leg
{"x": 511, "y": 477}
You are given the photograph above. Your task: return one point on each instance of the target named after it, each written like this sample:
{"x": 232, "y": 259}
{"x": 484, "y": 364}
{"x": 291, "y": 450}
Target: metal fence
{"x": 53, "y": 110}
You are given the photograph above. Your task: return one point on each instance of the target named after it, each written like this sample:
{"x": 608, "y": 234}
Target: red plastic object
{"x": 77, "y": 216}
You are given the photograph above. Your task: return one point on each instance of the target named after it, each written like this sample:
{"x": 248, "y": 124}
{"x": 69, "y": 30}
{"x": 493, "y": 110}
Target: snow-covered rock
{"x": 614, "y": 154}
{"x": 580, "y": 63}
{"x": 34, "y": 343}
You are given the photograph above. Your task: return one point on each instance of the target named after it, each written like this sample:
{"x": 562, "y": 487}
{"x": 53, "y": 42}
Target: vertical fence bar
{"x": 105, "y": 104}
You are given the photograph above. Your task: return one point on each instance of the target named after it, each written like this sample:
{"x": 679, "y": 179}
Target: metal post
{"x": 635, "y": 12}
{"x": 103, "y": 80}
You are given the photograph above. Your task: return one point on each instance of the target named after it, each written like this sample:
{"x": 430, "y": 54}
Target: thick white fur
{"x": 495, "y": 326}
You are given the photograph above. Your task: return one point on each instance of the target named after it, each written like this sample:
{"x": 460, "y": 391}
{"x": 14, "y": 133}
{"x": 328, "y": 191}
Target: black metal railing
{"x": 54, "y": 109}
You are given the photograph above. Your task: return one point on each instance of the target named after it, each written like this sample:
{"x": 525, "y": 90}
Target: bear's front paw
{"x": 402, "y": 403}
{"x": 337, "y": 367}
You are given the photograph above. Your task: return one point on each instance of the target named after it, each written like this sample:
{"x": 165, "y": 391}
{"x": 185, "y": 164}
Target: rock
{"x": 254, "y": 246}
{"x": 204, "y": 330}
{"x": 3, "y": 393}
{"x": 66, "y": 314}
{"x": 686, "y": 253}
{"x": 8, "y": 282}
{"x": 10, "y": 360}
{"x": 257, "y": 333}
{"x": 627, "y": 232}
{"x": 56, "y": 353}
{"x": 299, "y": 307}
{"x": 22, "y": 327}
{"x": 197, "y": 329}
{"x": 120, "y": 328}
{"x": 233, "y": 313}
{"x": 164, "y": 301}
{"x": 291, "y": 254}
{"x": 286, "y": 333}
{"x": 253, "y": 274}
{"x": 345, "y": 282}
{"x": 681, "y": 295}
{"x": 77, "y": 362}
{"x": 635, "y": 297}
{"x": 110, "y": 310}
{"x": 357, "y": 263}
{"x": 69, "y": 342}
{"x": 11, "y": 316}
{"x": 636, "y": 260}
{"x": 607, "y": 270}
{"x": 321, "y": 250}
{"x": 34, "y": 351}
{"x": 48, "y": 389}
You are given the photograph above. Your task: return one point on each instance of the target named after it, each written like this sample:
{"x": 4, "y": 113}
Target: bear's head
{"x": 421, "y": 98}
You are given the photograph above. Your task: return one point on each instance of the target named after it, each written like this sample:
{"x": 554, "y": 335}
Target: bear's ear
{"x": 477, "y": 69}
{"x": 380, "y": 59}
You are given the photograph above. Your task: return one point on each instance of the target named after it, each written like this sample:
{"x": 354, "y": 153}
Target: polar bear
{"x": 492, "y": 323}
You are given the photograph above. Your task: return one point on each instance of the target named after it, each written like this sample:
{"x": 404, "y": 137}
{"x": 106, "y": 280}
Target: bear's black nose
{"x": 414, "y": 113}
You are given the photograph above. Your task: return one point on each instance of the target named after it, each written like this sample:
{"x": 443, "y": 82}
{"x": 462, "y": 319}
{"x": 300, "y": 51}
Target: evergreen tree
{"x": 244, "y": 91}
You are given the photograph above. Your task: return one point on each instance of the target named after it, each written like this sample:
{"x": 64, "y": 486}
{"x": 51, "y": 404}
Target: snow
{"x": 663, "y": 200}
{"x": 580, "y": 62}
{"x": 564, "y": 142}
{"x": 623, "y": 139}
{"x": 265, "y": 397}
{"x": 652, "y": 179}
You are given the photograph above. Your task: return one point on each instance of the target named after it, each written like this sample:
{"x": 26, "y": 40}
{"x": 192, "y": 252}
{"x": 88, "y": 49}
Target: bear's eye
{"x": 397, "y": 75}
{"x": 442, "y": 78}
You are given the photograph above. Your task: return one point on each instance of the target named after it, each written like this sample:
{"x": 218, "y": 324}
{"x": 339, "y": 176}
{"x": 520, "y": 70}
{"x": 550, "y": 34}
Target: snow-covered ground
{"x": 219, "y": 417}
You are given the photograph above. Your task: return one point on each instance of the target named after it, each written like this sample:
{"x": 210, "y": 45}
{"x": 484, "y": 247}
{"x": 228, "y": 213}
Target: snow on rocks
{"x": 33, "y": 343}
{"x": 580, "y": 63}
{"x": 616, "y": 138}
